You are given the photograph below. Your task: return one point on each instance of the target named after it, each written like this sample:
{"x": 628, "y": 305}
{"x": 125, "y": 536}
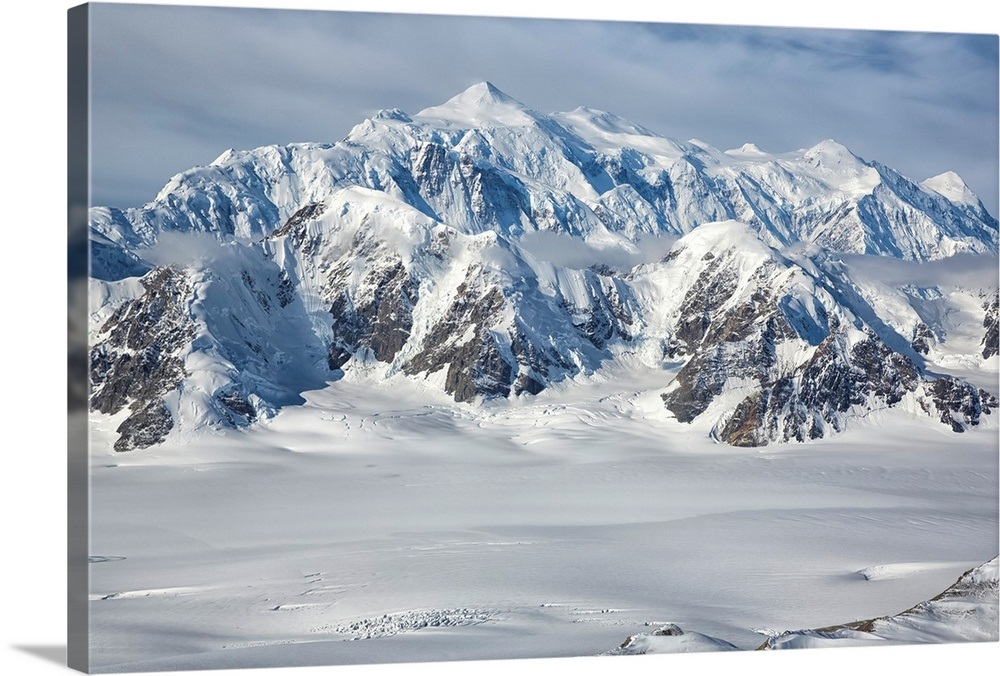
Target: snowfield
{"x": 389, "y": 524}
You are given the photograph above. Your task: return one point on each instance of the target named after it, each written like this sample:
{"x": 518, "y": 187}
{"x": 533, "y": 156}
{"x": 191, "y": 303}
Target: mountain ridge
{"x": 407, "y": 244}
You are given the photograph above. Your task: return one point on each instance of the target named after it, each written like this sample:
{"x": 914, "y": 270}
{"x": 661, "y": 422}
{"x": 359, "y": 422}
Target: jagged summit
{"x": 589, "y": 172}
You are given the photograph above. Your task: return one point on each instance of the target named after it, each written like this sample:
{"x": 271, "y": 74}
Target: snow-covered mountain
{"x": 487, "y": 250}
{"x": 484, "y": 161}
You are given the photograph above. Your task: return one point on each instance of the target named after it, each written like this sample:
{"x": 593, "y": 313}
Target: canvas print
{"x": 416, "y": 338}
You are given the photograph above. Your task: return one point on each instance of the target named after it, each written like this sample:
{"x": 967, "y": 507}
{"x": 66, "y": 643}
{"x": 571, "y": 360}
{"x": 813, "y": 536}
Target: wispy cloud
{"x": 572, "y": 252}
{"x": 969, "y": 270}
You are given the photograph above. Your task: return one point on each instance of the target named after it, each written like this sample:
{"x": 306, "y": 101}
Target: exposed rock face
{"x": 960, "y": 404}
{"x": 713, "y": 288}
{"x": 817, "y": 396}
{"x": 296, "y": 222}
{"x": 733, "y": 328}
{"x": 606, "y": 318}
{"x": 491, "y": 350}
{"x": 463, "y": 340}
{"x": 872, "y": 371}
{"x": 431, "y": 166}
{"x": 923, "y": 337}
{"x": 750, "y": 329}
{"x": 219, "y": 343}
{"x": 704, "y": 377}
{"x": 379, "y": 322}
{"x": 991, "y": 341}
{"x": 237, "y": 406}
{"x": 782, "y": 353}
{"x": 137, "y": 361}
{"x": 148, "y": 424}
{"x": 732, "y": 332}
{"x": 443, "y": 180}
{"x": 837, "y": 381}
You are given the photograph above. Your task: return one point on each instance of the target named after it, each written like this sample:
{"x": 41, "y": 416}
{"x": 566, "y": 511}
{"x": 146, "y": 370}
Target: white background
{"x": 32, "y": 223}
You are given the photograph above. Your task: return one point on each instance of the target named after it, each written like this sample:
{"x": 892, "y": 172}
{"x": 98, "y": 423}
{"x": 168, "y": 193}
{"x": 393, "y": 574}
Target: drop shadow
{"x": 50, "y": 653}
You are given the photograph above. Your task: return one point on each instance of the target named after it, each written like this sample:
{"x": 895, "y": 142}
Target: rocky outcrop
{"x": 837, "y": 380}
{"x": 295, "y": 225}
{"x": 669, "y": 638}
{"x": 148, "y": 424}
{"x": 464, "y": 342}
{"x": 137, "y": 360}
{"x": 756, "y": 326}
{"x": 840, "y": 381}
{"x": 991, "y": 341}
{"x": 490, "y": 350}
{"x": 923, "y": 338}
{"x": 606, "y": 317}
{"x": 448, "y": 180}
{"x": 959, "y": 404}
{"x": 379, "y": 321}
{"x": 238, "y": 408}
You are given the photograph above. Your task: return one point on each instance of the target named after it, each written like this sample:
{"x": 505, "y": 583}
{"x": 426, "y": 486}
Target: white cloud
{"x": 966, "y": 270}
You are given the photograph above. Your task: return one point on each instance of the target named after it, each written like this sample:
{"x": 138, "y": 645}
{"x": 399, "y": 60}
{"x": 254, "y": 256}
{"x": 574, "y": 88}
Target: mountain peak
{"x": 481, "y": 104}
{"x": 831, "y": 153}
{"x": 747, "y": 149}
{"x": 486, "y": 89}
{"x": 952, "y": 186}
{"x": 831, "y": 150}
{"x": 227, "y": 155}
{"x": 482, "y": 94}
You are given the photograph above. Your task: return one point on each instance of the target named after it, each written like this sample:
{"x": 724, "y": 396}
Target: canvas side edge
{"x": 78, "y": 477}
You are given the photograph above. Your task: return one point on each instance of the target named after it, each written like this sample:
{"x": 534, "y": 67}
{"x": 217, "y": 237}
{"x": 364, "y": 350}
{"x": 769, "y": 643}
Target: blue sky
{"x": 175, "y": 86}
